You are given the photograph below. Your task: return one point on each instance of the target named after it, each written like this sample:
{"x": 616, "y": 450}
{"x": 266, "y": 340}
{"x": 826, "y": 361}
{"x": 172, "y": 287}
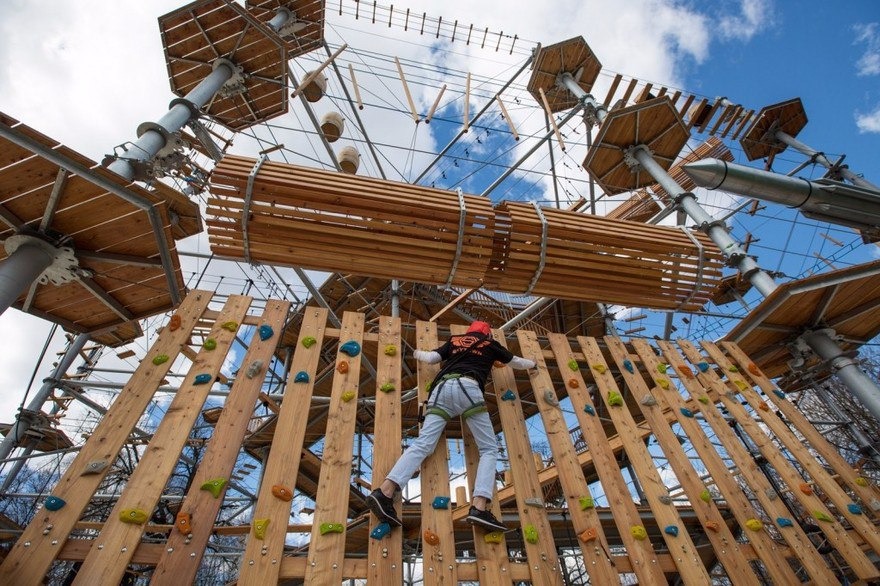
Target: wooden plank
{"x": 438, "y": 566}
{"x": 28, "y": 564}
{"x": 596, "y": 552}
{"x": 284, "y": 458}
{"x": 762, "y": 490}
{"x": 543, "y": 560}
{"x": 145, "y": 485}
{"x": 331, "y": 504}
{"x": 728, "y": 548}
{"x": 690, "y": 567}
{"x": 385, "y": 556}
{"x": 829, "y": 453}
{"x": 177, "y": 564}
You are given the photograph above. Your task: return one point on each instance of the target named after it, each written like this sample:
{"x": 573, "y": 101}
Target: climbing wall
{"x": 757, "y": 493}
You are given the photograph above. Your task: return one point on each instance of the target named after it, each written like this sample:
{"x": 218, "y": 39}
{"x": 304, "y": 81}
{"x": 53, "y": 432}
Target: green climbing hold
{"x": 573, "y": 365}
{"x": 508, "y": 395}
{"x": 586, "y": 502}
{"x": 210, "y": 344}
{"x": 588, "y": 409}
{"x": 214, "y": 486}
{"x": 615, "y": 399}
{"x": 265, "y": 331}
{"x": 351, "y": 348}
{"x": 703, "y": 399}
{"x": 260, "y": 526}
{"x": 530, "y": 534}
{"x": 133, "y": 516}
{"x": 53, "y": 503}
{"x": 706, "y": 496}
{"x": 331, "y": 528}
{"x": 661, "y": 368}
{"x": 733, "y": 369}
{"x": 202, "y": 379}
{"x": 387, "y": 387}
{"x": 822, "y": 516}
{"x": 160, "y": 359}
{"x": 309, "y": 341}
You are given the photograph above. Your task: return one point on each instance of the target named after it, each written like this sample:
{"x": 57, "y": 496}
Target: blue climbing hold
{"x": 202, "y": 379}
{"x": 628, "y": 365}
{"x": 351, "y": 348}
{"x": 686, "y": 412}
{"x": 671, "y": 530}
{"x": 784, "y": 522}
{"x": 779, "y": 393}
{"x": 266, "y": 332}
{"x": 508, "y": 395}
{"x": 440, "y": 502}
{"x": 53, "y": 503}
{"x": 854, "y": 509}
{"x": 380, "y": 530}
{"x": 589, "y": 409}
{"x": 703, "y": 366}
{"x": 301, "y": 377}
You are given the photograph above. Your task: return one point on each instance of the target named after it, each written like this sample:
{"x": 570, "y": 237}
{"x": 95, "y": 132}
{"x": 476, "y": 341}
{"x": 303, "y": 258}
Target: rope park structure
{"x": 258, "y": 408}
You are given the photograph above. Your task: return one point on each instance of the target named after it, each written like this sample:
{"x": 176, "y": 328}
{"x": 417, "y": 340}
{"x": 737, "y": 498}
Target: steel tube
{"x": 20, "y": 269}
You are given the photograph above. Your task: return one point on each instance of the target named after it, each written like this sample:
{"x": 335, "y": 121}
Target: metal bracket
{"x": 543, "y": 260}
{"x": 235, "y": 84}
{"x": 246, "y": 209}
{"x": 462, "y": 217}
{"x": 630, "y": 160}
{"x": 64, "y": 267}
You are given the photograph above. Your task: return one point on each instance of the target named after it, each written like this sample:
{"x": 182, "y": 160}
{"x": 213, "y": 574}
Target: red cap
{"x": 480, "y": 326}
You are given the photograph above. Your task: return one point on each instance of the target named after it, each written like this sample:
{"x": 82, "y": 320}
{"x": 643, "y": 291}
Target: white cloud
{"x": 753, "y": 17}
{"x": 870, "y": 122}
{"x": 869, "y": 62}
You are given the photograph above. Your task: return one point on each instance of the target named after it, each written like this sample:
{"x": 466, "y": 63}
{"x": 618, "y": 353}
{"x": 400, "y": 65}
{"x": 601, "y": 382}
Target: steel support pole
{"x": 21, "y": 268}
{"x": 822, "y": 159}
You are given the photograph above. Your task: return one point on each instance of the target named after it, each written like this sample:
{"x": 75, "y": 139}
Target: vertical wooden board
{"x": 725, "y": 544}
{"x": 28, "y": 564}
{"x": 117, "y": 541}
{"x": 282, "y": 463}
{"x": 571, "y": 475}
{"x": 177, "y": 565}
{"x": 641, "y": 553}
{"x": 828, "y": 452}
{"x": 327, "y": 551}
{"x": 821, "y": 479}
{"x": 800, "y": 543}
{"x": 384, "y": 556}
{"x": 542, "y": 557}
{"x": 439, "y": 560}
{"x": 684, "y": 553}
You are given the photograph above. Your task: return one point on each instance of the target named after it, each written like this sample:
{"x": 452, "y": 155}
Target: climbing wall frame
{"x": 775, "y": 502}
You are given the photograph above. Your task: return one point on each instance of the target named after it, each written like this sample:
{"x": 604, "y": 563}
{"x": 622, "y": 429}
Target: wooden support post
{"x": 690, "y": 566}
{"x": 107, "y": 564}
{"x": 434, "y": 105}
{"x": 507, "y": 117}
{"x": 357, "y": 89}
{"x": 177, "y": 564}
{"x": 461, "y": 297}
{"x": 466, "y": 107}
{"x": 316, "y": 72}
{"x": 327, "y": 551}
{"x": 412, "y": 105}
{"x": 551, "y": 119}
{"x": 438, "y": 559}
{"x": 282, "y": 464}
{"x": 27, "y": 565}
{"x": 611, "y": 90}
{"x": 384, "y": 555}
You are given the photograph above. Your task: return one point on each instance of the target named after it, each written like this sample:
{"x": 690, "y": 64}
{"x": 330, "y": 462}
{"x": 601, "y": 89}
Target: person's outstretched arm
{"x": 520, "y": 363}
{"x": 428, "y": 357}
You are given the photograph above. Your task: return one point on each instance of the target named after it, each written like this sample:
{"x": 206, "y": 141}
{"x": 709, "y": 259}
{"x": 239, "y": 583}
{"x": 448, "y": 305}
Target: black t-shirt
{"x": 472, "y": 355}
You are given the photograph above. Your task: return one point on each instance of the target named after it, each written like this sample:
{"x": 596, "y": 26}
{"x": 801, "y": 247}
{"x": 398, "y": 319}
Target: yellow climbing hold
{"x": 387, "y": 387}
{"x": 390, "y": 350}
{"x": 600, "y": 368}
{"x": 160, "y": 359}
{"x": 703, "y": 399}
{"x": 260, "y": 526}
{"x": 705, "y": 495}
{"x": 754, "y": 524}
{"x": 214, "y": 486}
{"x": 638, "y": 532}
{"x": 348, "y": 396}
{"x": 740, "y": 384}
{"x": 733, "y": 368}
{"x": 530, "y": 533}
{"x": 586, "y": 502}
{"x": 231, "y": 326}
{"x": 133, "y": 516}
{"x": 493, "y": 537}
{"x": 822, "y": 516}
{"x": 664, "y": 384}
{"x": 326, "y": 528}
{"x": 861, "y": 481}
{"x": 615, "y": 399}
{"x": 308, "y": 341}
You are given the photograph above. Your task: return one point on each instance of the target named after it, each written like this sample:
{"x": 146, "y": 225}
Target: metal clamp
{"x": 699, "y": 282}
{"x": 543, "y": 260}
{"x": 246, "y": 209}
{"x": 462, "y": 216}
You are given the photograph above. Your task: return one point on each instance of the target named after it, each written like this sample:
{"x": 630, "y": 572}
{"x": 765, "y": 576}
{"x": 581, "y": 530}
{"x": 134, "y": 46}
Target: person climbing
{"x": 457, "y": 390}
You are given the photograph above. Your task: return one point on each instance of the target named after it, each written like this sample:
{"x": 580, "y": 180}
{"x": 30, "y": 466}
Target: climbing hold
{"x": 573, "y": 383}
{"x": 231, "y": 326}
{"x": 705, "y": 495}
{"x": 648, "y": 401}
{"x": 174, "y": 323}
{"x": 784, "y": 522}
{"x": 741, "y": 384}
{"x": 730, "y": 395}
{"x": 763, "y": 406}
{"x": 550, "y": 398}
{"x": 493, "y": 537}
{"x": 665, "y": 499}
{"x": 713, "y": 526}
{"x": 586, "y": 502}
{"x": 498, "y": 364}
{"x": 686, "y": 373}
{"x": 348, "y": 396}
{"x": 431, "y": 538}
{"x": 160, "y": 359}
{"x": 380, "y": 530}
{"x": 183, "y": 522}
{"x": 534, "y": 502}
{"x": 600, "y": 368}
{"x": 260, "y": 526}
{"x": 703, "y": 366}
{"x": 133, "y": 516}
{"x": 754, "y": 524}
{"x": 351, "y": 348}
{"x": 508, "y": 395}
{"x": 573, "y": 365}
{"x": 308, "y": 341}
{"x": 664, "y": 384}
{"x": 874, "y": 504}
{"x": 753, "y": 368}
{"x": 638, "y": 532}
{"x": 254, "y": 369}
{"x": 779, "y": 393}
{"x": 202, "y": 379}
{"x": 210, "y": 344}
{"x": 440, "y": 502}
{"x": 806, "y": 488}
{"x": 615, "y": 399}
{"x": 671, "y": 530}
{"x": 589, "y": 410}
{"x": 342, "y": 367}
{"x": 530, "y": 533}
{"x": 588, "y": 534}
{"x": 854, "y": 509}
{"x": 771, "y": 494}
{"x": 326, "y": 528}
{"x": 53, "y": 503}
{"x": 214, "y": 486}
{"x": 628, "y": 365}
{"x": 661, "y": 368}
{"x": 686, "y": 412}
{"x": 387, "y": 387}
{"x": 301, "y": 377}
{"x": 861, "y": 481}
{"x": 703, "y": 399}
{"x": 822, "y": 516}
{"x": 390, "y": 350}
{"x": 266, "y": 332}
{"x": 95, "y": 467}
{"x": 282, "y": 492}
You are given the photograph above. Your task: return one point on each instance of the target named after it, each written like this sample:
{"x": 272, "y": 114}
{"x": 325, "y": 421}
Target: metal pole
{"x": 822, "y": 159}
{"x": 21, "y": 268}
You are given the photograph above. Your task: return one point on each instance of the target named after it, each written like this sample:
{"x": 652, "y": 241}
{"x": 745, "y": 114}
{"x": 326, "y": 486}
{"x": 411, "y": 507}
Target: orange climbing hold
{"x": 713, "y": 526}
{"x": 174, "y": 323}
{"x": 184, "y": 523}
{"x": 806, "y": 488}
{"x": 431, "y": 538}
{"x": 588, "y": 534}
{"x": 753, "y": 368}
{"x": 573, "y": 383}
{"x": 282, "y": 492}
{"x": 763, "y": 406}
{"x": 342, "y": 367}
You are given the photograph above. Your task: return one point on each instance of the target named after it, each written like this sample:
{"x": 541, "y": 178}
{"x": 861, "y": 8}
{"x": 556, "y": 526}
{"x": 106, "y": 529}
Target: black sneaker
{"x": 485, "y": 519}
{"x": 383, "y": 507}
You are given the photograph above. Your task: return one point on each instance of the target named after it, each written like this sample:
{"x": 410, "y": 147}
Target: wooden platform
{"x": 307, "y": 34}
{"x": 759, "y": 141}
{"x": 847, "y": 301}
{"x": 573, "y": 56}
{"x": 122, "y": 277}
{"x": 337, "y": 222}
{"x": 198, "y": 34}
